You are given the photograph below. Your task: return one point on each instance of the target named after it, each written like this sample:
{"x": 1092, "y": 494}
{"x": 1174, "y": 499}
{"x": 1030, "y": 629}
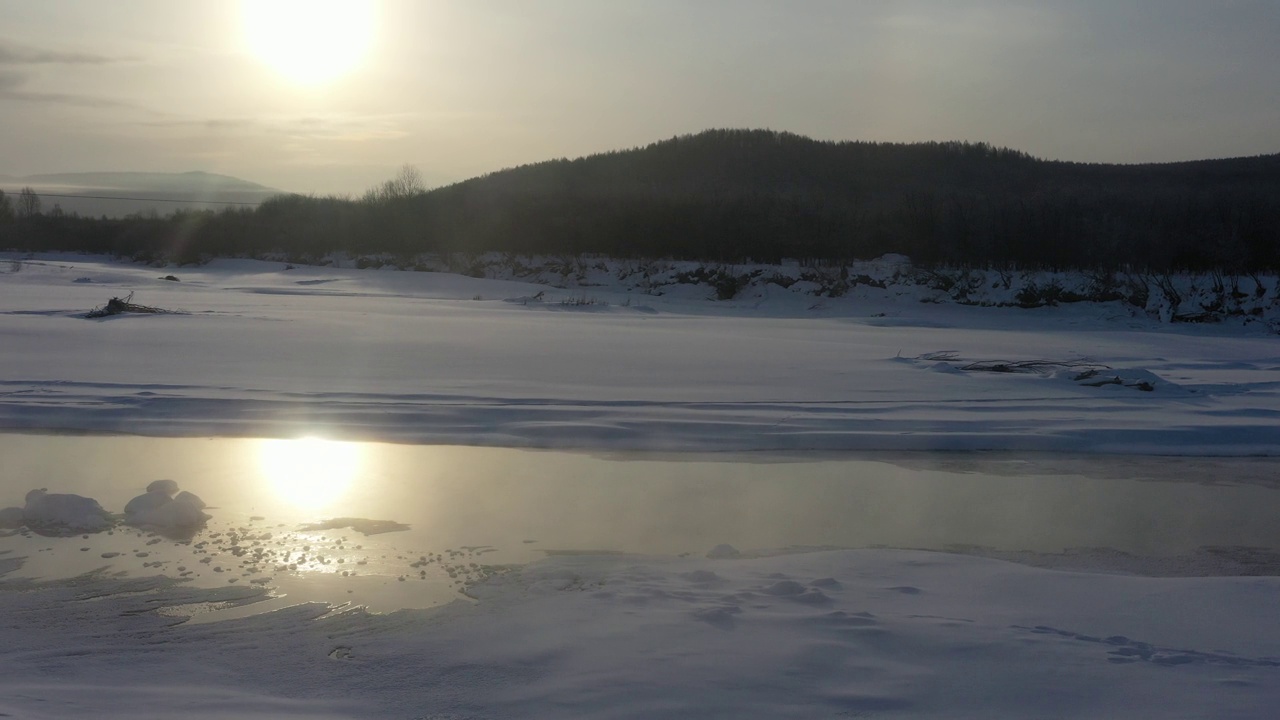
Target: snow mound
{"x": 1082, "y": 372}
{"x": 168, "y": 487}
{"x": 10, "y": 518}
{"x": 58, "y": 511}
{"x": 723, "y": 551}
{"x": 158, "y": 507}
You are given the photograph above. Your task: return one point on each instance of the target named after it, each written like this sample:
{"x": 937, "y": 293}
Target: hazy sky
{"x": 462, "y": 88}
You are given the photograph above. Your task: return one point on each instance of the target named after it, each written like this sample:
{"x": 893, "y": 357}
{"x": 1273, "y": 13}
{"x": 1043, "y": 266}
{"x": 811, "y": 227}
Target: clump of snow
{"x": 158, "y": 507}
{"x": 10, "y": 518}
{"x": 703, "y": 577}
{"x": 59, "y": 511}
{"x": 146, "y": 502}
{"x": 783, "y": 588}
{"x": 166, "y": 486}
{"x": 724, "y": 551}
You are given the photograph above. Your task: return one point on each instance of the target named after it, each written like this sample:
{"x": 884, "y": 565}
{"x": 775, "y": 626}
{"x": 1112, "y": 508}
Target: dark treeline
{"x": 747, "y": 195}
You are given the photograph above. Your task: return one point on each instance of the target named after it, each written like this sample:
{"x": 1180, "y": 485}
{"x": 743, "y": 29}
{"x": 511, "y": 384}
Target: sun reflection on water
{"x": 310, "y": 473}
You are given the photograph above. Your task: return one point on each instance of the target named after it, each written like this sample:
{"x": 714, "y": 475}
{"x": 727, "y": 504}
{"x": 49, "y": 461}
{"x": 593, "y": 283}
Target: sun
{"x": 310, "y": 473}
{"x": 309, "y": 42}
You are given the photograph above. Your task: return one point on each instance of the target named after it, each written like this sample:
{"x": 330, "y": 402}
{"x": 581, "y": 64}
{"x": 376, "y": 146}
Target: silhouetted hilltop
{"x": 767, "y": 162}
{"x": 738, "y": 195}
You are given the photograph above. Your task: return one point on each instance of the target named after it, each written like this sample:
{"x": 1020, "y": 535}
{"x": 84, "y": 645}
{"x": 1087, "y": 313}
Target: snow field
{"x": 257, "y": 350}
{"x": 413, "y": 357}
{"x": 835, "y": 634}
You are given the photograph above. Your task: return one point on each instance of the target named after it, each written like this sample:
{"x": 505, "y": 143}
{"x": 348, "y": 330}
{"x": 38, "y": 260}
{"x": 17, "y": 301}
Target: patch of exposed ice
{"x": 363, "y": 526}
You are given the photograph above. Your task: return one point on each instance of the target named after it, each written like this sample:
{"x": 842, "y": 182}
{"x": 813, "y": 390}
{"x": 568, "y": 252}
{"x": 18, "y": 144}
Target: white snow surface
{"x": 255, "y": 349}
{"x": 857, "y": 633}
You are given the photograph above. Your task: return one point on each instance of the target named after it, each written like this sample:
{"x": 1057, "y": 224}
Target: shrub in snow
{"x": 723, "y": 280}
{"x": 785, "y": 281}
{"x": 1033, "y": 295}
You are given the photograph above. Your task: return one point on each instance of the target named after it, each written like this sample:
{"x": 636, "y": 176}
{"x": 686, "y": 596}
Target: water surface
{"x": 472, "y": 508}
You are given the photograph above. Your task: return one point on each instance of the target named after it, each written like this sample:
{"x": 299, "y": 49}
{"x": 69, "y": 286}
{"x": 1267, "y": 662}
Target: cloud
{"x": 13, "y": 83}
{"x": 11, "y": 54}
{"x": 213, "y": 125}
{"x": 347, "y": 128}
{"x": 11, "y": 88}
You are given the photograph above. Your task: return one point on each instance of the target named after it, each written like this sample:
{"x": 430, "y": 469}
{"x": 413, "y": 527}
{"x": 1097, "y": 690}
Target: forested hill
{"x": 767, "y": 162}
{"x": 738, "y": 195}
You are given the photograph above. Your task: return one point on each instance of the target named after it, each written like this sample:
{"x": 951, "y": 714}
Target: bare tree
{"x": 406, "y": 183}
{"x": 28, "y": 203}
{"x": 6, "y": 208}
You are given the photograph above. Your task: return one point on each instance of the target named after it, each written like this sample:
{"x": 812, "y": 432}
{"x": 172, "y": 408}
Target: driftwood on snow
{"x": 1084, "y": 372}
{"x": 119, "y": 306}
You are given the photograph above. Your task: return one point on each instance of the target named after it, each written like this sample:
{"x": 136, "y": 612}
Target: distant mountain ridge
{"x": 117, "y": 194}
{"x": 143, "y": 181}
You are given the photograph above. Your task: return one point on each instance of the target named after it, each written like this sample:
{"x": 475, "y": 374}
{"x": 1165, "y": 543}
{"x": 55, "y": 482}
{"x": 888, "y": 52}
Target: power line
{"x": 138, "y": 199}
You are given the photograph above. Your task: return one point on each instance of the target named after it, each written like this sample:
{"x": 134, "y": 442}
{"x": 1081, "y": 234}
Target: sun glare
{"x": 310, "y": 473}
{"x": 310, "y": 42}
